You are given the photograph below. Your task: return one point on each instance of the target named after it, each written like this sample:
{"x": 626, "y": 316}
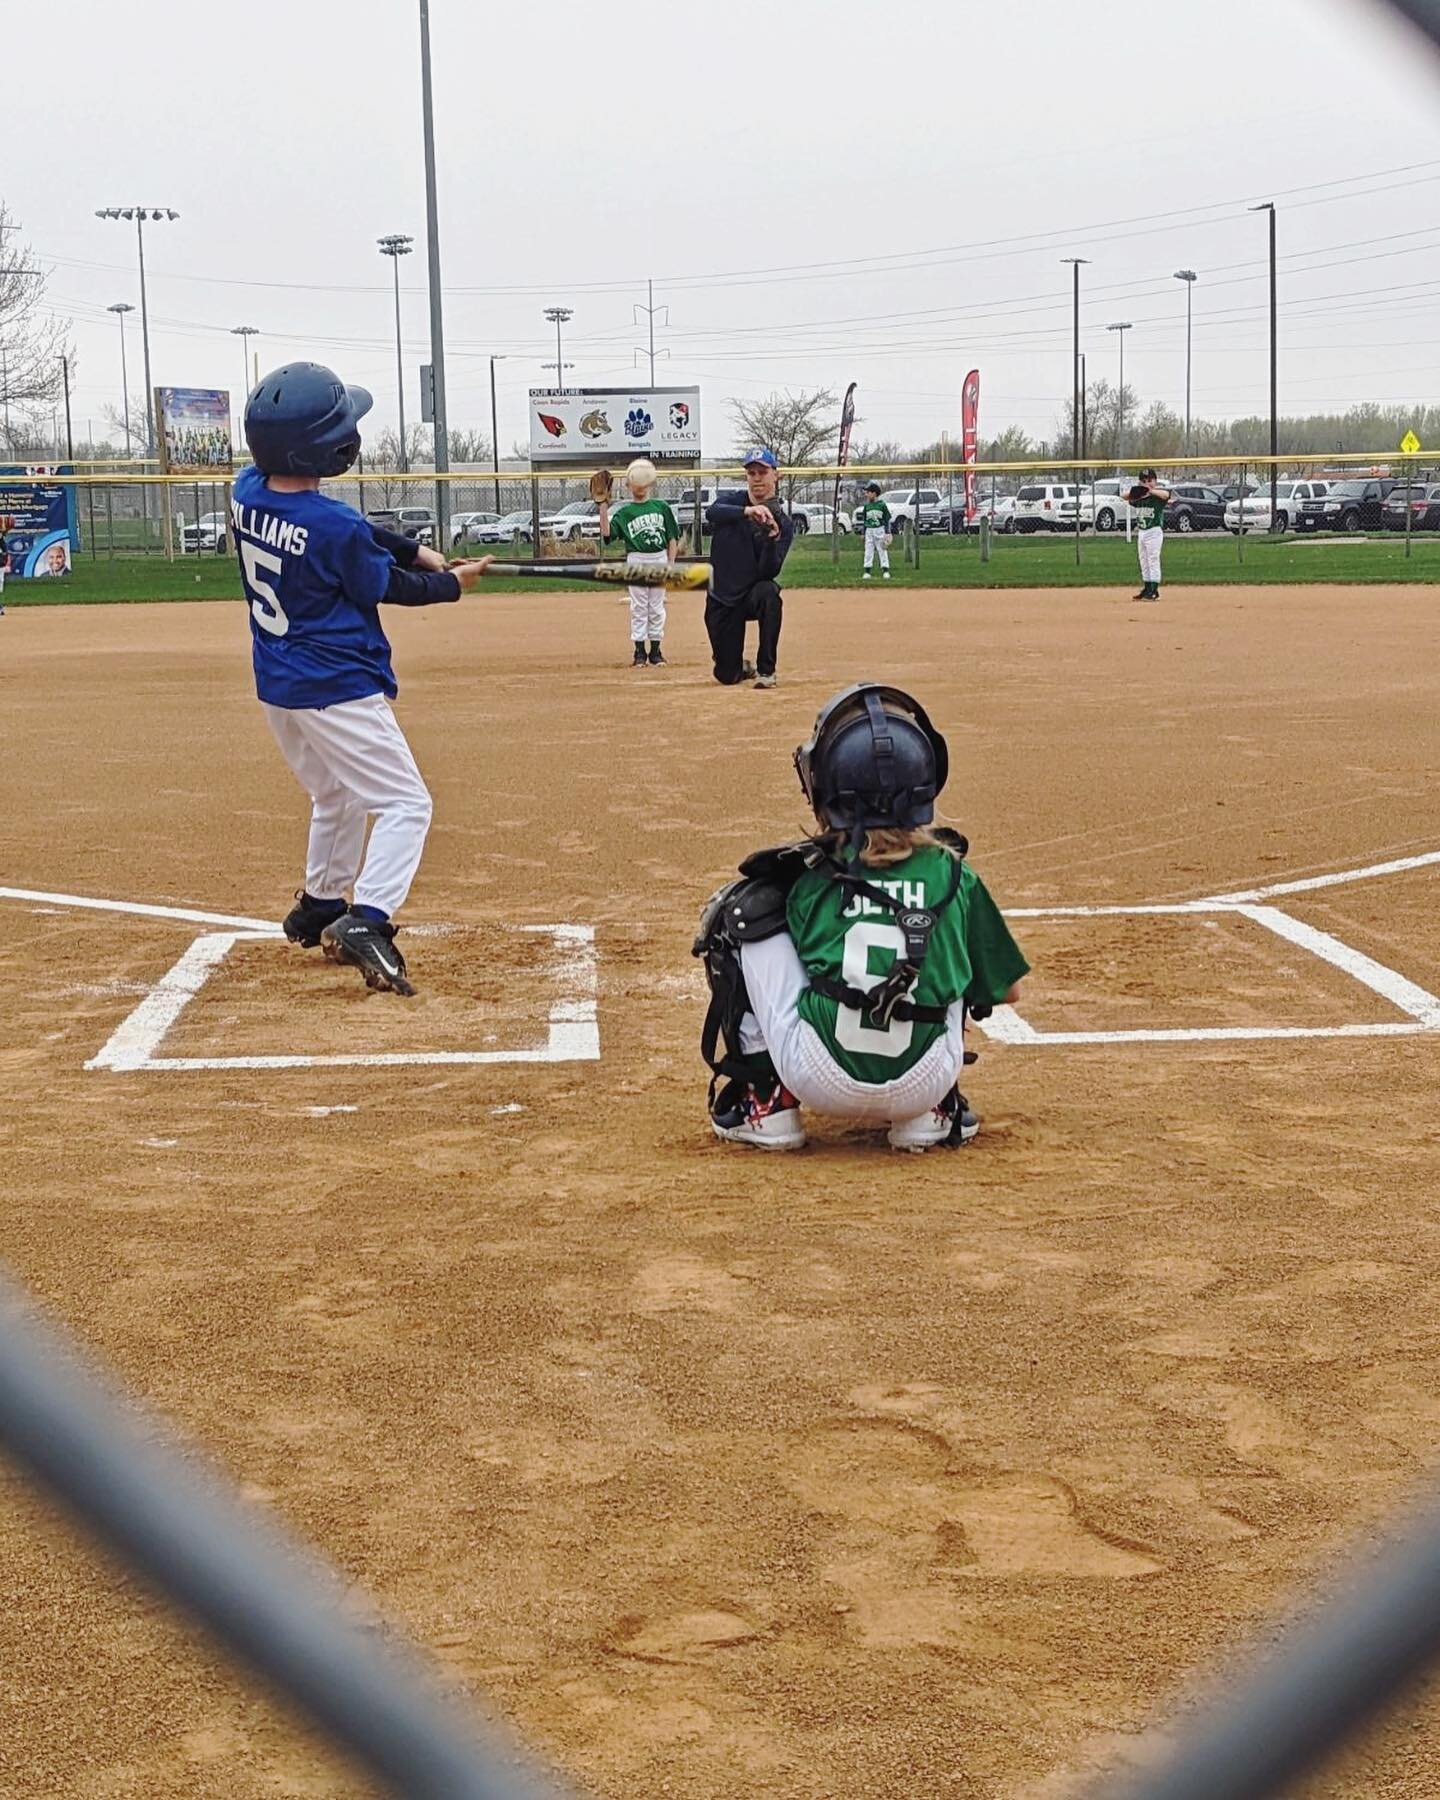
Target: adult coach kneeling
{"x": 750, "y": 535}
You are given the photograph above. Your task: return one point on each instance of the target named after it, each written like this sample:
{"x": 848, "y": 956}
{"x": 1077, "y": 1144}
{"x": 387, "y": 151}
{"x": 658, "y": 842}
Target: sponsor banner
{"x": 192, "y": 429}
{"x": 37, "y": 521}
{"x": 842, "y": 455}
{"x": 614, "y": 425}
{"x": 970, "y": 435}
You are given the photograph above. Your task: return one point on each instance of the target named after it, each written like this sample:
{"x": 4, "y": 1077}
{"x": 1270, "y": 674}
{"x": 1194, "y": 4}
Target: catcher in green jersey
{"x": 841, "y": 968}
{"x": 646, "y": 526}
{"x": 1149, "y": 501}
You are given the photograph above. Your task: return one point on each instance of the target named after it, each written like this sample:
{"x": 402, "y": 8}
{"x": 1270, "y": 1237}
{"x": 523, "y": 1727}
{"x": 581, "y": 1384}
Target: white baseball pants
{"x": 875, "y": 536}
{"x": 647, "y": 604}
{"x": 775, "y": 978}
{"x": 1148, "y": 543}
{"x": 353, "y": 761}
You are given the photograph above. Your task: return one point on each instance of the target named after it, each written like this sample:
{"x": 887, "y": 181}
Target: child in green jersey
{"x": 872, "y": 520}
{"x": 1149, "y": 500}
{"x": 647, "y": 529}
{"x": 841, "y": 969}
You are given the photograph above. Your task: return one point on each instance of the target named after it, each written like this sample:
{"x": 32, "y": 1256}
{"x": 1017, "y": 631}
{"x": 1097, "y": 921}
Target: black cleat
{"x": 639, "y": 660}
{"x": 370, "y": 947}
{"x": 308, "y": 918}
{"x": 655, "y": 656}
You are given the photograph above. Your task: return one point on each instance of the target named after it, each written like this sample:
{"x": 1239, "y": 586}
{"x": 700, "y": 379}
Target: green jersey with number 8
{"x": 853, "y": 938}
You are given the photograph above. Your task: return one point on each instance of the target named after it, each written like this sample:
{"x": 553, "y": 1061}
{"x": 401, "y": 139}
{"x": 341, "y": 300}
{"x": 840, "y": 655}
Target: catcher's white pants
{"x": 775, "y": 978}
{"x": 353, "y": 760}
{"x": 647, "y": 604}
{"x": 1148, "y": 543}
{"x": 875, "y": 541}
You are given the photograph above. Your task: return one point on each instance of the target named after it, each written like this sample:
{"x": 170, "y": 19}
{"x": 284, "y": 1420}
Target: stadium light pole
{"x": 1189, "y": 277}
{"x": 557, "y": 315}
{"x": 1076, "y": 263}
{"x": 495, "y": 430}
{"x": 1268, "y": 206}
{"x": 437, "y": 318}
{"x": 395, "y": 246}
{"x": 244, "y": 333}
{"x": 139, "y": 214}
{"x": 1122, "y": 326}
{"x": 122, "y": 307}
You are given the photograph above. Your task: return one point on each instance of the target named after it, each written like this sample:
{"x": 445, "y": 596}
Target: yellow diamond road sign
{"x": 1409, "y": 443}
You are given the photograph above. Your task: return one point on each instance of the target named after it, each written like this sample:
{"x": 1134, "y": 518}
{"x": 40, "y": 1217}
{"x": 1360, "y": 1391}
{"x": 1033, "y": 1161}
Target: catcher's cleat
{"x": 639, "y": 660}
{"x": 308, "y": 917}
{"x": 769, "y": 1121}
{"x": 656, "y": 656}
{"x": 766, "y": 681}
{"x": 369, "y": 946}
{"x": 951, "y": 1122}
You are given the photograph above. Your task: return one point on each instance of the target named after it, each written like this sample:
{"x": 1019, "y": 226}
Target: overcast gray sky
{"x": 822, "y": 190}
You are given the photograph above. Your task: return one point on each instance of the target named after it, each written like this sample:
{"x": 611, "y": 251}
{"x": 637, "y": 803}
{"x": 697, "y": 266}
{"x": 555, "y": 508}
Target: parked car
{"x": 1194, "y": 507}
{"x": 466, "y": 525}
{"x": 1111, "y": 506}
{"x": 1346, "y": 506}
{"x": 416, "y": 522}
{"x": 1274, "y": 509}
{"x": 514, "y": 528}
{"x": 1001, "y": 511}
{"x": 207, "y": 533}
{"x": 923, "y": 505}
{"x": 1037, "y": 505}
{"x": 1424, "y": 504}
{"x": 814, "y": 516}
{"x": 581, "y": 518}
{"x": 1233, "y": 490}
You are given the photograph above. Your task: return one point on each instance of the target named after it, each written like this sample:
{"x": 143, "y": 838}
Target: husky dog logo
{"x": 638, "y": 423}
{"x": 556, "y": 427}
{"x": 679, "y": 414}
{"x": 595, "y": 424}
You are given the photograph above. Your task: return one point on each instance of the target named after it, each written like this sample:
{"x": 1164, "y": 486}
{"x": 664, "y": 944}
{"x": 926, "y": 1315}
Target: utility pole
{"x": 1268, "y": 206}
{"x": 1076, "y": 264}
{"x": 1189, "y": 277}
{"x": 650, "y": 310}
{"x": 437, "y": 322}
{"x": 69, "y": 435}
{"x": 1122, "y": 327}
{"x": 495, "y": 431}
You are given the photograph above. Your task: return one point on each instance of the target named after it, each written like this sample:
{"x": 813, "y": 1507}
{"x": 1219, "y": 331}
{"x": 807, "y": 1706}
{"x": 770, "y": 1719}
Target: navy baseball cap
{"x": 760, "y": 455}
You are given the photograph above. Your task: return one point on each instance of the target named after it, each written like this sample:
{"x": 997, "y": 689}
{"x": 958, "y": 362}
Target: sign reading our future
{"x": 588, "y": 426}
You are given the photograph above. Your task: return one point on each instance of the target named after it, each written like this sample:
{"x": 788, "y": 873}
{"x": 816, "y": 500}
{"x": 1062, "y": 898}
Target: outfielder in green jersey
{"x": 1148, "y": 501}
{"x": 841, "y": 969}
{"x": 646, "y": 527}
{"x": 872, "y": 518}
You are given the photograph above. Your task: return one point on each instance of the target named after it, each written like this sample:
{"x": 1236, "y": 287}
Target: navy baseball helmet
{"x": 874, "y": 761}
{"x": 303, "y": 420}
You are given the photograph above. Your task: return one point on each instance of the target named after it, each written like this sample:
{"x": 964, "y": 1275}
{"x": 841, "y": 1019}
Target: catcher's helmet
{"x": 873, "y": 761}
{"x": 303, "y": 420}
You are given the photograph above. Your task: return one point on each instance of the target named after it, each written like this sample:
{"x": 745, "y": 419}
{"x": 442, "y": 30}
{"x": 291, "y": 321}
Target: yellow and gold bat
{"x": 624, "y": 574}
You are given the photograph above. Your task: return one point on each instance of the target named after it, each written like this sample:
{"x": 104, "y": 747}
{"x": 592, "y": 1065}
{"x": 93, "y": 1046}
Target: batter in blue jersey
{"x": 315, "y": 574}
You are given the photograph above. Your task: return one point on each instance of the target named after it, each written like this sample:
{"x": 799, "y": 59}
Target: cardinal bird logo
{"x": 556, "y": 427}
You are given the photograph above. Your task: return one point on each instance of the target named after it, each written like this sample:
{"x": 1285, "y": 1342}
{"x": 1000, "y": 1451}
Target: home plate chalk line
{"x": 572, "y": 1031}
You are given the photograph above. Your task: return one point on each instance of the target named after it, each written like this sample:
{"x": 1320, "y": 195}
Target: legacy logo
{"x": 679, "y": 414}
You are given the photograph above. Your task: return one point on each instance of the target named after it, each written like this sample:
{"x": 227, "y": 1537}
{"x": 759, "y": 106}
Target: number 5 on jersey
{"x": 264, "y": 601}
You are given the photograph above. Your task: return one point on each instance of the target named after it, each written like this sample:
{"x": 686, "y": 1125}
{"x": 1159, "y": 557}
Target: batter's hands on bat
{"x": 426, "y": 558}
{"x": 470, "y": 574}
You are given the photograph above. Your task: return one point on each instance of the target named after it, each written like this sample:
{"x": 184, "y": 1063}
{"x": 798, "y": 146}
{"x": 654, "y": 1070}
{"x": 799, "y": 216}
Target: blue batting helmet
{"x": 303, "y": 420}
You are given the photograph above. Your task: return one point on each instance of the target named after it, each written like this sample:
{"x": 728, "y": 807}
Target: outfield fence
{"x": 141, "y": 512}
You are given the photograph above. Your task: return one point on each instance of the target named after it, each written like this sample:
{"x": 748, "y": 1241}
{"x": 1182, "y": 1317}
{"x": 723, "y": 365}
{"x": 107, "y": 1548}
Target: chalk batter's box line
{"x": 1421, "y": 1008}
{"x": 572, "y": 1033}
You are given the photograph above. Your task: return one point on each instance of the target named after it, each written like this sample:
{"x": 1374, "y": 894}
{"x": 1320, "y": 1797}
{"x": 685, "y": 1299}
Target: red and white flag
{"x": 970, "y": 436}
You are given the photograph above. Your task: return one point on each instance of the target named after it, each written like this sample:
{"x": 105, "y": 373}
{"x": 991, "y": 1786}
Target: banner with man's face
{"x": 37, "y": 522}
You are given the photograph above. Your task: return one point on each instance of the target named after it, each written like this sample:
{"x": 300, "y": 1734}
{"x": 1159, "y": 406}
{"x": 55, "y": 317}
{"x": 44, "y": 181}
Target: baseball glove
{"x": 602, "y": 485}
{"x": 1138, "y": 493}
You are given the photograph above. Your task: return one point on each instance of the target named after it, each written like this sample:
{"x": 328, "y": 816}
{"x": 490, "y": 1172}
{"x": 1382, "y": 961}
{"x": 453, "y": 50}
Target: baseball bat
{"x": 666, "y": 575}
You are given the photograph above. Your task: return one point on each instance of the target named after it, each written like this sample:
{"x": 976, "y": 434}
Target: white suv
{"x": 922, "y": 505}
{"x": 1270, "y": 508}
{"x": 1042, "y": 506}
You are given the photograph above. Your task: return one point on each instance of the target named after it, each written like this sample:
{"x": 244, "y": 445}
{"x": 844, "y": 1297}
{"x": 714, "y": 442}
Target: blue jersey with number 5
{"x": 314, "y": 578}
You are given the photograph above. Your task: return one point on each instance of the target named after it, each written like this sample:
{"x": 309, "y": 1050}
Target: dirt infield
{"x": 839, "y": 1475}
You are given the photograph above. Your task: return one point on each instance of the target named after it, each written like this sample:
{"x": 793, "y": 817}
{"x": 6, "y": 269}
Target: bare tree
{"x": 31, "y": 344}
{"x": 469, "y": 447}
{"x": 795, "y": 426}
{"x": 115, "y": 417}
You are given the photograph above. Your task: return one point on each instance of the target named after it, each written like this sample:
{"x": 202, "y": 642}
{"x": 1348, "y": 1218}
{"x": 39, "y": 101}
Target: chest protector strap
{"x": 886, "y": 1001}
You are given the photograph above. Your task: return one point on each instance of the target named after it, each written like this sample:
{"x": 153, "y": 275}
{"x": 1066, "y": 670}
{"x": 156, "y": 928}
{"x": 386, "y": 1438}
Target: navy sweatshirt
{"x": 741, "y": 553}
